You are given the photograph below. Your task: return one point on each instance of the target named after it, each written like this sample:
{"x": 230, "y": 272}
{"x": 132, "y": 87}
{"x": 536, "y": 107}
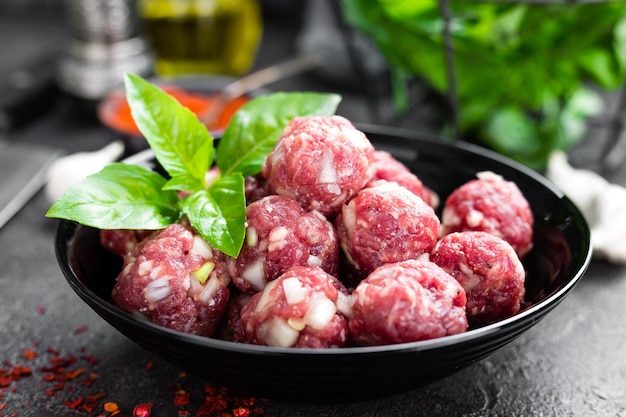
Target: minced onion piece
{"x": 313, "y": 260}
{"x": 255, "y": 274}
{"x": 277, "y": 238}
{"x": 281, "y": 334}
{"x": 265, "y": 296}
{"x": 201, "y": 247}
{"x": 157, "y": 290}
{"x": 144, "y": 267}
{"x": 327, "y": 173}
{"x": 294, "y": 291}
{"x": 321, "y": 311}
{"x": 209, "y": 290}
{"x": 344, "y": 304}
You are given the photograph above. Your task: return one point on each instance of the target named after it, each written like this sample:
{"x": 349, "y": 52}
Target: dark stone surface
{"x": 572, "y": 363}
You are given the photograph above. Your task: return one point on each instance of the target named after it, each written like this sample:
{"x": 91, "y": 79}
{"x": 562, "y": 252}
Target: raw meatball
{"x": 488, "y": 269}
{"x": 304, "y": 307}
{"x": 385, "y": 223}
{"x": 386, "y": 167}
{"x": 122, "y": 241}
{"x": 493, "y": 205}
{"x": 406, "y": 302}
{"x": 279, "y": 235}
{"x": 322, "y": 162}
{"x": 176, "y": 279}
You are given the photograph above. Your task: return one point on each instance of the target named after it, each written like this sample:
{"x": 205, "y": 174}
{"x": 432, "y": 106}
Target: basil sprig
{"x": 125, "y": 196}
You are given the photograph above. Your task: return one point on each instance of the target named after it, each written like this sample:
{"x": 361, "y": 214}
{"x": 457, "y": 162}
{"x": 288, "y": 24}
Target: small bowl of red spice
{"x": 198, "y": 94}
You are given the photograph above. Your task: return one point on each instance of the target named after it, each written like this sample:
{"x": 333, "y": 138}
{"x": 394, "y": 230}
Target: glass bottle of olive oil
{"x": 202, "y": 36}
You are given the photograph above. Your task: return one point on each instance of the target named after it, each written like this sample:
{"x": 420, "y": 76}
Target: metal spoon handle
{"x": 258, "y": 79}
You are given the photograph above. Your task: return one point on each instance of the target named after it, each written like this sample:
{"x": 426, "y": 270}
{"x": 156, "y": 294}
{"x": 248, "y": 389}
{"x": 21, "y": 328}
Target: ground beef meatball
{"x": 176, "y": 279}
{"x": 488, "y": 269}
{"x": 406, "y": 302}
{"x": 281, "y": 234}
{"x": 385, "y": 223}
{"x": 320, "y": 161}
{"x": 493, "y": 205}
{"x": 122, "y": 241}
{"x": 386, "y": 167}
{"x": 304, "y": 307}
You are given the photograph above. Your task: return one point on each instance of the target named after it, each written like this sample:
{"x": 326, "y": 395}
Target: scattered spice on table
{"x": 64, "y": 372}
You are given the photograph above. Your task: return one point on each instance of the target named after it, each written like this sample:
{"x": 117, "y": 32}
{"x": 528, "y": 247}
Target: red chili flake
{"x": 90, "y": 359}
{"x": 59, "y": 362}
{"x": 241, "y": 412}
{"x": 213, "y": 404}
{"x": 55, "y": 388}
{"x": 75, "y": 373}
{"x": 96, "y": 397}
{"x": 142, "y": 410}
{"x": 53, "y": 351}
{"x": 92, "y": 402}
{"x": 18, "y": 372}
{"x": 89, "y": 407}
{"x": 15, "y": 373}
{"x": 73, "y": 404}
{"x": 29, "y": 354}
{"x": 249, "y": 402}
{"x": 91, "y": 379}
{"x": 49, "y": 377}
{"x": 2, "y": 405}
{"x": 41, "y": 309}
{"x": 150, "y": 365}
{"x": 81, "y": 329}
{"x": 111, "y": 407}
{"x": 181, "y": 398}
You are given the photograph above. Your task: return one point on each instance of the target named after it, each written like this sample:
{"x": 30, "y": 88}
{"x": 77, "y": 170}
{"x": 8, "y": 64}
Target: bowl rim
{"x": 67, "y": 229}
{"x": 423, "y": 345}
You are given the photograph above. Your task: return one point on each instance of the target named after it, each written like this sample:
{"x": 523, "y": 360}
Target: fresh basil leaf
{"x": 181, "y": 144}
{"x": 255, "y": 128}
{"x": 120, "y": 196}
{"x": 219, "y": 213}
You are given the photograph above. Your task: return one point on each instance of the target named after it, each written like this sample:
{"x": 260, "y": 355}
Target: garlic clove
{"x": 69, "y": 170}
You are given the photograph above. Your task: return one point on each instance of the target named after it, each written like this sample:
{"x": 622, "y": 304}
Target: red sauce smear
{"x": 115, "y": 113}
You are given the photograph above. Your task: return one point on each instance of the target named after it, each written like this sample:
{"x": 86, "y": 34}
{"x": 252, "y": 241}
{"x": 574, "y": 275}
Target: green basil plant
{"x": 528, "y": 74}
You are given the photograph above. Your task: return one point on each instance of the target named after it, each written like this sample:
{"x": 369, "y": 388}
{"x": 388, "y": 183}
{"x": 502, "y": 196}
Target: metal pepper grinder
{"x": 104, "y": 41}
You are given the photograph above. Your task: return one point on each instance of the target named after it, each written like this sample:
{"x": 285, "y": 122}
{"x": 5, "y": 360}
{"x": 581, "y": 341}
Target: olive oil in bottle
{"x": 202, "y": 36}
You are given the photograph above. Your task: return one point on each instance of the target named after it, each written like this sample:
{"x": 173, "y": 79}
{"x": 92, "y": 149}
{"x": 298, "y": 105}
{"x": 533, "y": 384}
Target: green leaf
{"x": 219, "y": 213}
{"x": 120, "y": 196}
{"x": 255, "y": 128}
{"x": 599, "y": 63}
{"x": 181, "y": 144}
{"x": 511, "y": 131}
{"x": 507, "y": 55}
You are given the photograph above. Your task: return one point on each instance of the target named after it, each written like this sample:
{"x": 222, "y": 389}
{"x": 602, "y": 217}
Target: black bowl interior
{"x": 560, "y": 255}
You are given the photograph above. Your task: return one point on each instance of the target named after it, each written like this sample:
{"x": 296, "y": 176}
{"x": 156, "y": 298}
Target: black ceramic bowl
{"x": 560, "y": 256}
